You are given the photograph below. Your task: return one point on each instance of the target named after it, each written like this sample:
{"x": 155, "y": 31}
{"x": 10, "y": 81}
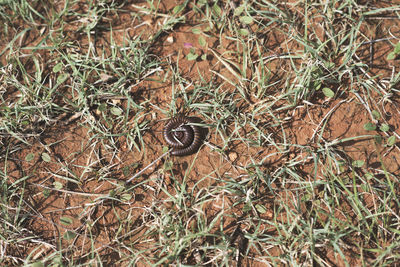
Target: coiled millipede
{"x": 180, "y": 134}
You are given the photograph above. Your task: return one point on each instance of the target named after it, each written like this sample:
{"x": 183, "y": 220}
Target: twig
{"x": 148, "y": 166}
{"x": 72, "y": 192}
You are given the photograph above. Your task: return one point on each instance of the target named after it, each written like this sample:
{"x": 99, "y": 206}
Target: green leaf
{"x": 57, "y": 261}
{"x": 328, "y": 92}
{"x": 246, "y": 208}
{"x": 69, "y": 235}
{"x": 196, "y": 30}
{"x": 37, "y": 264}
{"x": 66, "y": 220}
{"x": 358, "y": 163}
{"x": 397, "y": 48}
{"x": 384, "y": 127}
{"x": 369, "y": 126}
{"x": 126, "y": 170}
{"x": 244, "y": 32}
{"x": 217, "y": 10}
{"x": 317, "y": 85}
{"x": 394, "y": 230}
{"x": 46, "y": 157}
{"x": 391, "y": 56}
{"x": 57, "y": 67}
{"x": 378, "y": 139}
{"x": 165, "y": 149}
{"x": 202, "y": 41}
{"x": 191, "y": 56}
{"x": 126, "y": 197}
{"x": 376, "y": 115}
{"x": 57, "y": 185}
{"x": 46, "y": 193}
{"x": 329, "y": 65}
{"x": 261, "y": 209}
{"x": 391, "y": 140}
{"x": 102, "y": 107}
{"x": 116, "y": 111}
{"x": 204, "y": 57}
{"x": 369, "y": 176}
{"x": 246, "y": 19}
{"x": 238, "y": 11}
{"x": 178, "y": 9}
{"x": 201, "y": 3}
{"x": 168, "y": 165}
{"x": 30, "y": 157}
{"x": 62, "y": 78}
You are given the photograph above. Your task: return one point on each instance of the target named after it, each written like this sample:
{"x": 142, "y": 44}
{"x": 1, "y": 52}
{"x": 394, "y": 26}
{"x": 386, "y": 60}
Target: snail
{"x": 182, "y": 136}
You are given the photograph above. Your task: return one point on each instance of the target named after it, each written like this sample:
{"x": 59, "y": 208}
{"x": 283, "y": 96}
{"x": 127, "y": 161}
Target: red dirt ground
{"x": 73, "y": 154}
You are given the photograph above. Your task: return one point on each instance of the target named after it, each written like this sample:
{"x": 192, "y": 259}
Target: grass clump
{"x": 300, "y": 160}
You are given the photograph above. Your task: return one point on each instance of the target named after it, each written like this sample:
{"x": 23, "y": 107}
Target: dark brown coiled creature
{"x": 182, "y": 136}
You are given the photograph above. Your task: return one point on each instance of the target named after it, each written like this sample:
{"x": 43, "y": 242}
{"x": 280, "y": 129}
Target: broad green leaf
{"x": 62, "y": 78}
{"x": 358, "y": 163}
{"x": 378, "y": 139}
{"x": 46, "y": 157}
{"x": 116, "y": 111}
{"x": 246, "y": 19}
{"x": 369, "y": 126}
{"x": 397, "y": 48}
{"x": 246, "y": 208}
{"x": 244, "y": 32}
{"x": 217, "y": 10}
{"x": 126, "y": 170}
{"x": 391, "y": 56}
{"x": 57, "y": 67}
{"x": 46, "y": 193}
{"x": 196, "y": 30}
{"x": 369, "y": 175}
{"x": 57, "y": 185}
{"x": 376, "y": 115}
{"x": 126, "y": 197}
{"x": 178, "y": 9}
{"x": 66, "y": 220}
{"x": 102, "y": 107}
{"x": 30, "y": 157}
{"x": 168, "y": 165}
{"x": 202, "y": 41}
{"x": 328, "y": 92}
{"x": 165, "y": 149}
{"x": 261, "y": 209}
{"x": 112, "y": 193}
{"x": 191, "y": 56}
{"x": 69, "y": 235}
{"x": 391, "y": 140}
{"x": 37, "y": 264}
{"x": 238, "y": 11}
{"x": 384, "y": 127}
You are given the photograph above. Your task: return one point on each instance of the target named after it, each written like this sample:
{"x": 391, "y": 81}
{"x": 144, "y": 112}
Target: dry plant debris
{"x": 300, "y": 162}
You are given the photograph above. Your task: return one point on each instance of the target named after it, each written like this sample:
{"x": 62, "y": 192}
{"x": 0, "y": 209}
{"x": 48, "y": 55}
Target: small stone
{"x": 153, "y": 177}
{"x": 170, "y": 39}
{"x": 233, "y": 156}
{"x": 116, "y": 101}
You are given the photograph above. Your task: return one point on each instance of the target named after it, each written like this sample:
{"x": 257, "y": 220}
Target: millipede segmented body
{"x": 182, "y": 136}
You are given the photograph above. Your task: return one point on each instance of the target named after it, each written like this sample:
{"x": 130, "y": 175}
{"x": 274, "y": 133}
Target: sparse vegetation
{"x": 301, "y": 162}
